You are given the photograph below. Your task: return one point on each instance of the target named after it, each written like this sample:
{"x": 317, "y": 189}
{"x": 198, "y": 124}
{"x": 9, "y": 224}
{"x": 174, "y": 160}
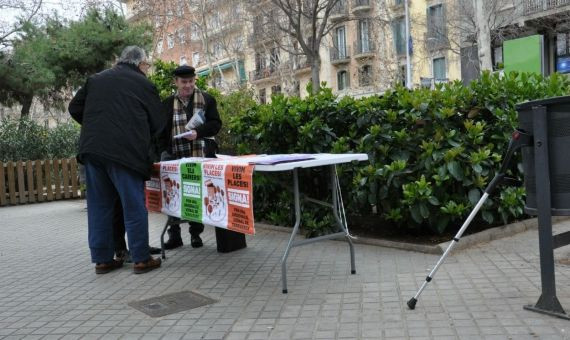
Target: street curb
{"x": 438, "y": 249}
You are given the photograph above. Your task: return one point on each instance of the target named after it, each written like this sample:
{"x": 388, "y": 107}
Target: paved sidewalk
{"x": 49, "y": 290}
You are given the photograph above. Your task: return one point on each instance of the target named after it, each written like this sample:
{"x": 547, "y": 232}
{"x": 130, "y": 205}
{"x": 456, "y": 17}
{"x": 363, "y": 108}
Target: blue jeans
{"x": 108, "y": 182}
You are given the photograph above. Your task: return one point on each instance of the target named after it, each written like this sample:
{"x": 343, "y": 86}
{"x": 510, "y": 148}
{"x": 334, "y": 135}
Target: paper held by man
{"x": 185, "y": 134}
{"x": 198, "y": 118}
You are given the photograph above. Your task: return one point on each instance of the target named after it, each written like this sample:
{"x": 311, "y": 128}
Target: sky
{"x": 69, "y": 9}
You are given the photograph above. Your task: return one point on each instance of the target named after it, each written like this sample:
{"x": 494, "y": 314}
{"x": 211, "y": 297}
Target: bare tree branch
{"x": 27, "y": 9}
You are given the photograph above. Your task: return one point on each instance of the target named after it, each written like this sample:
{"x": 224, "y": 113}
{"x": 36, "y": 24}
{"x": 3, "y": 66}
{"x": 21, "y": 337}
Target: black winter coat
{"x": 119, "y": 111}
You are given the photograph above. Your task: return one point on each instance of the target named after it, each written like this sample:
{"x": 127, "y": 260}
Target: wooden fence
{"x": 38, "y": 181}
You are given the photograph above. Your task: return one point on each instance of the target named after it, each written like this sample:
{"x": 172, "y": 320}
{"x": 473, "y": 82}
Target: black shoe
{"x": 173, "y": 243}
{"x": 154, "y": 250}
{"x": 196, "y": 242}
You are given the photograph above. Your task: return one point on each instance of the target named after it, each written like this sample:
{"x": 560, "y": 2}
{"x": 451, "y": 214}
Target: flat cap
{"x": 184, "y": 71}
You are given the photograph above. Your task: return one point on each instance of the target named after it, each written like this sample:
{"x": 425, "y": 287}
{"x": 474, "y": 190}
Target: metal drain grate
{"x": 171, "y": 303}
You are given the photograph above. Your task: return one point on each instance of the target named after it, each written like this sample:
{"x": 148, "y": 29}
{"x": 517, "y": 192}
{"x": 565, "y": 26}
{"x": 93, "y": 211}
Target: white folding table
{"x": 329, "y": 160}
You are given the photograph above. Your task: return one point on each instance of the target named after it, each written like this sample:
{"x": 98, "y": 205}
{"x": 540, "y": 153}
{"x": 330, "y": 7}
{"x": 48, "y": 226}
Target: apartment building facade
{"x": 364, "y": 52}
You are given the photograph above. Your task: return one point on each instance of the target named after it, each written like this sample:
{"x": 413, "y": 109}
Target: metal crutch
{"x": 519, "y": 139}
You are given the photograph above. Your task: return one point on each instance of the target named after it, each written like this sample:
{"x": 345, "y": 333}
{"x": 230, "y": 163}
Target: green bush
{"x": 230, "y": 105}
{"x": 27, "y": 140}
{"x": 432, "y": 152}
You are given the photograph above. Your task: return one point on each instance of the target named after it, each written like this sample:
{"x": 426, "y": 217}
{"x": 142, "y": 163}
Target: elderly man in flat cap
{"x": 194, "y": 110}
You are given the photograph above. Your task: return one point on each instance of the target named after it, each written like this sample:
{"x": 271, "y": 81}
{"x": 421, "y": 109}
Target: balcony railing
{"x": 364, "y": 47}
{"x": 360, "y": 4}
{"x": 340, "y": 10}
{"x": 300, "y": 63}
{"x": 365, "y": 79}
{"x": 263, "y": 34}
{"x": 431, "y": 82}
{"x": 436, "y": 41}
{"x": 340, "y": 55}
{"x": 262, "y": 73}
{"x": 535, "y": 6}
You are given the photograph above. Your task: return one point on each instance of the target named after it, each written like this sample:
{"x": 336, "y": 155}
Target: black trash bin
{"x": 557, "y": 112}
{"x": 547, "y": 180}
{"x": 228, "y": 240}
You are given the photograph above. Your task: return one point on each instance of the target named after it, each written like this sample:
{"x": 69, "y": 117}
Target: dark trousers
{"x": 109, "y": 183}
{"x": 195, "y": 229}
{"x": 119, "y": 228}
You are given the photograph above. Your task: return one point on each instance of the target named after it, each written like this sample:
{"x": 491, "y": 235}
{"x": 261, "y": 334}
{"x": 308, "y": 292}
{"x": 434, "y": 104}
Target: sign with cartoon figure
{"x": 213, "y": 192}
{"x": 171, "y": 188}
{"x": 214, "y": 189}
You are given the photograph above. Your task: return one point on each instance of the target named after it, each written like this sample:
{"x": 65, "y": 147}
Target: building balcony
{"x": 430, "y": 83}
{"x": 339, "y": 56}
{"x": 396, "y": 4}
{"x": 339, "y": 11}
{"x": 436, "y": 41}
{"x": 532, "y": 7}
{"x": 364, "y": 49}
{"x": 262, "y": 74}
{"x": 263, "y": 35}
{"x": 365, "y": 79}
{"x": 361, "y": 5}
{"x": 301, "y": 65}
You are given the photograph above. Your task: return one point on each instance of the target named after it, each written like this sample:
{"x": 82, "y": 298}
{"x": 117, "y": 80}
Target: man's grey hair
{"x": 132, "y": 55}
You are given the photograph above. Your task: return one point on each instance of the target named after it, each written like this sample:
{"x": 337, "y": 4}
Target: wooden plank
{"x": 21, "y": 184}
{"x": 65, "y": 173}
{"x": 30, "y": 182}
{"x": 12, "y": 183}
{"x": 49, "y": 189}
{"x": 57, "y": 178}
{"x": 39, "y": 180}
{"x": 74, "y": 178}
{"x": 3, "y": 200}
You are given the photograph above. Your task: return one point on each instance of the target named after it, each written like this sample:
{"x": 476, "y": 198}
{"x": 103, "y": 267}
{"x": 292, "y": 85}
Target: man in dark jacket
{"x": 194, "y": 110}
{"x": 119, "y": 110}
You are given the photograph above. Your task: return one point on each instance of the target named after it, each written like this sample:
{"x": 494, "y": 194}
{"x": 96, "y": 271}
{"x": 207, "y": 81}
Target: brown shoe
{"x": 104, "y": 268}
{"x": 147, "y": 266}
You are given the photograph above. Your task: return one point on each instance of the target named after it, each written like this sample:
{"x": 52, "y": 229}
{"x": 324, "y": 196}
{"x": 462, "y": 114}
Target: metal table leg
{"x": 295, "y": 229}
{"x": 336, "y": 209}
{"x": 343, "y": 232}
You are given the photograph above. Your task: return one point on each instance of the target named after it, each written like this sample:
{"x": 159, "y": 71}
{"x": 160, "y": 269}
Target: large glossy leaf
{"x": 474, "y": 196}
{"x": 455, "y": 170}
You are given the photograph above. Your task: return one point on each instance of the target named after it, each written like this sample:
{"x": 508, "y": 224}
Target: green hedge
{"x": 432, "y": 152}
{"x": 27, "y": 140}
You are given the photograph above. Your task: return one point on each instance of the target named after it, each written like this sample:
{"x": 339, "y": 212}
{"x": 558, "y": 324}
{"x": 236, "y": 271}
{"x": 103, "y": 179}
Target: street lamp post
{"x": 408, "y": 62}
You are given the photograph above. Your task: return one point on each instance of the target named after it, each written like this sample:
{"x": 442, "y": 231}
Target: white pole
{"x": 408, "y": 63}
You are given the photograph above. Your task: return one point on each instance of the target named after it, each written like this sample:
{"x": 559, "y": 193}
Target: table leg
{"x": 295, "y": 229}
{"x": 335, "y": 209}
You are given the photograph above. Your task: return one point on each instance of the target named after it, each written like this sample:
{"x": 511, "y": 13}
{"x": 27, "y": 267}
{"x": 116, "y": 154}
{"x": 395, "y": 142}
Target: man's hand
{"x": 192, "y": 136}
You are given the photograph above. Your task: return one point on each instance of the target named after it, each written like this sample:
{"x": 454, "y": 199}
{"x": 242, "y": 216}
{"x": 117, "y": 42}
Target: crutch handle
{"x": 519, "y": 139}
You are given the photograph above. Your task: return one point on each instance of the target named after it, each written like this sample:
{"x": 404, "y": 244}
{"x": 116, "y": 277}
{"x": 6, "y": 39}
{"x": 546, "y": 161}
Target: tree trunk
{"x": 315, "y": 73}
{"x": 483, "y": 36}
{"x": 26, "y": 106}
